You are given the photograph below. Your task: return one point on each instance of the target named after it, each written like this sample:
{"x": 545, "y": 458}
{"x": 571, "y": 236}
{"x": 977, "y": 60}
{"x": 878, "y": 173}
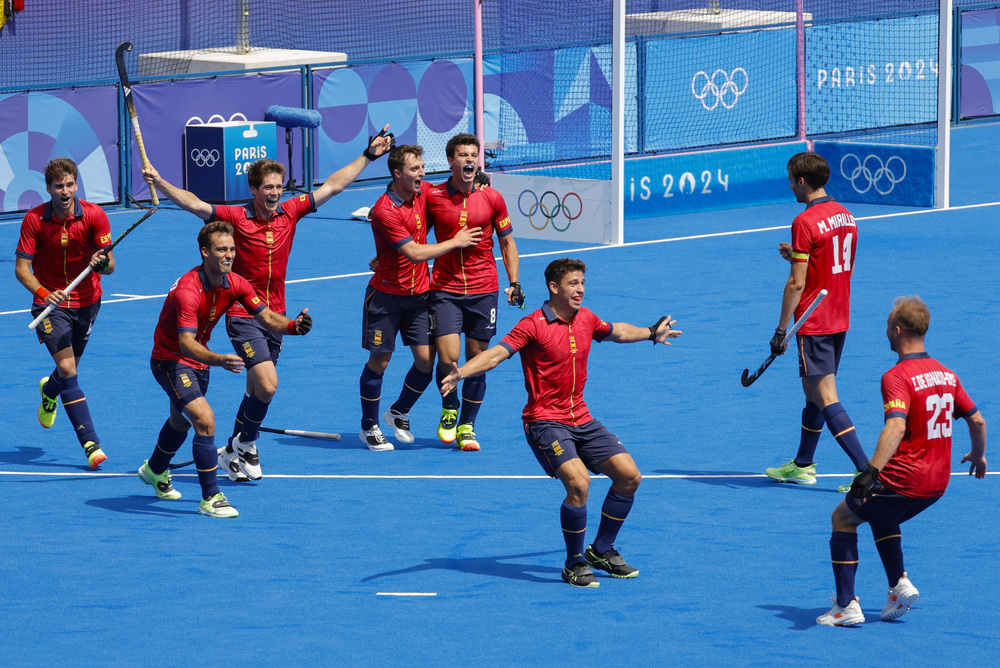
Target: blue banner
{"x": 708, "y": 181}
{"x": 871, "y": 74}
{"x": 879, "y": 173}
{"x": 706, "y": 91}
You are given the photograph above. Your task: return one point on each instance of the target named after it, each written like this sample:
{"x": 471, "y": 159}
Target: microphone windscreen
{"x": 293, "y": 117}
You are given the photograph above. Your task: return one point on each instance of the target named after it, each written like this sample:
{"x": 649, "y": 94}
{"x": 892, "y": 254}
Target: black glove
{"x": 300, "y": 327}
{"x": 862, "y": 485}
{"x": 102, "y": 264}
{"x": 368, "y": 151}
{"x": 777, "y": 342}
{"x": 652, "y": 330}
{"x": 481, "y": 178}
{"x": 517, "y": 294}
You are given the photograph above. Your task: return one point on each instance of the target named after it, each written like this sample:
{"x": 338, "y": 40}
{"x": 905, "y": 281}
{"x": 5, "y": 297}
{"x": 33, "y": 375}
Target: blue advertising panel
{"x": 704, "y": 91}
{"x": 980, "y": 80}
{"x": 871, "y": 74}
{"x": 72, "y": 123}
{"x": 708, "y": 181}
{"x": 218, "y": 155}
{"x": 879, "y": 173}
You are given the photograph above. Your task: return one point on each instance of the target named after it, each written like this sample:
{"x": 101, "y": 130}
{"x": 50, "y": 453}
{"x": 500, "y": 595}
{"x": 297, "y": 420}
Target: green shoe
{"x": 465, "y": 439}
{"x": 47, "y": 409}
{"x": 448, "y": 425}
{"x": 95, "y": 456}
{"x": 217, "y": 506}
{"x": 161, "y": 483}
{"x": 790, "y": 472}
{"x": 846, "y": 487}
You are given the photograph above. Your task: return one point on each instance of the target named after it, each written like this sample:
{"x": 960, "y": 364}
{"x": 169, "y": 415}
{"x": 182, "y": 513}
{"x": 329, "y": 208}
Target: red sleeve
{"x": 187, "y": 303}
{"x": 895, "y": 395}
{"x": 230, "y": 214}
{"x": 29, "y": 234}
{"x": 964, "y": 406}
{"x": 501, "y": 219}
{"x": 245, "y": 294}
{"x": 300, "y": 207}
{"x": 522, "y": 334}
{"x": 100, "y": 228}
{"x": 802, "y": 239}
{"x": 390, "y": 223}
{"x": 601, "y": 329}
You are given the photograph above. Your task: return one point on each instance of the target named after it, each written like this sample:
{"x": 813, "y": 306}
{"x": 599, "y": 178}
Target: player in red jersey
{"x": 264, "y": 230}
{"x": 464, "y": 283}
{"x": 396, "y": 299}
{"x": 59, "y": 239}
{"x": 181, "y": 359}
{"x": 554, "y": 343}
{"x": 824, "y": 240}
{"x": 911, "y": 466}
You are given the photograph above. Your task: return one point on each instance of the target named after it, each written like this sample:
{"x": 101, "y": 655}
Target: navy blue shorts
{"x": 819, "y": 354}
{"x": 887, "y": 506}
{"x": 555, "y": 443}
{"x": 472, "y": 315}
{"x": 66, "y": 327}
{"x": 252, "y": 342}
{"x": 182, "y": 383}
{"x": 385, "y": 315}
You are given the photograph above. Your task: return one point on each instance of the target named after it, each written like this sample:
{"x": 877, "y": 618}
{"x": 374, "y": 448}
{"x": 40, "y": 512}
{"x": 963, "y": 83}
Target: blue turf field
{"x": 734, "y": 569}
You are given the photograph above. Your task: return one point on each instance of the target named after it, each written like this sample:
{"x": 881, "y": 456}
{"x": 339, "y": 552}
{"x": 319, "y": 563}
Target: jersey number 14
{"x": 842, "y": 254}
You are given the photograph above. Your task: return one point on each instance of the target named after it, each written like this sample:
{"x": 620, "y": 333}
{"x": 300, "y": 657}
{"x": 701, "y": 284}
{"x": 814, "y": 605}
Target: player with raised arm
{"x": 911, "y": 466}
{"x": 59, "y": 239}
{"x": 181, "y": 361}
{"x": 464, "y": 284}
{"x": 554, "y": 343}
{"x": 822, "y": 252}
{"x": 396, "y": 299}
{"x": 264, "y": 230}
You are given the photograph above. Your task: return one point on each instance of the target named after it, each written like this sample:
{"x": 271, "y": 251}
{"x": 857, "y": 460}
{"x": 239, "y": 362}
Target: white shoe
{"x": 249, "y": 462}
{"x": 899, "y": 599}
{"x": 839, "y": 616}
{"x": 229, "y": 462}
{"x": 400, "y": 423}
{"x": 374, "y": 439}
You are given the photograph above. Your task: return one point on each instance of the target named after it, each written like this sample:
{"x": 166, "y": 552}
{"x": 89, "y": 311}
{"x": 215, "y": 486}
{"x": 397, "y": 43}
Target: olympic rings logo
{"x": 550, "y": 207}
{"x": 872, "y": 172}
{"x": 202, "y": 157}
{"x": 727, "y": 94}
{"x": 216, "y": 118}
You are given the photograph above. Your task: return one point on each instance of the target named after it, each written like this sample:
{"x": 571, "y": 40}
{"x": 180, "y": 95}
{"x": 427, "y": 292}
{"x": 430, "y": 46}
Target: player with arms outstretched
{"x": 58, "y": 241}
{"x": 911, "y": 466}
{"x": 180, "y": 361}
{"x": 264, "y": 230}
{"x": 554, "y": 343}
{"x": 822, "y": 252}
{"x": 464, "y": 283}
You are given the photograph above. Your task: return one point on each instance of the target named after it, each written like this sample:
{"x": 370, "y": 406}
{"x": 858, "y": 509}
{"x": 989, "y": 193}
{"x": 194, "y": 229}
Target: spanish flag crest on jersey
{"x": 185, "y": 380}
{"x": 378, "y": 337}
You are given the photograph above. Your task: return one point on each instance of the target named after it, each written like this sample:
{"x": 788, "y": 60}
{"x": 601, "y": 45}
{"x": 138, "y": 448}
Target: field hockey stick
{"x": 288, "y": 432}
{"x": 127, "y": 92}
{"x": 749, "y": 379}
{"x": 86, "y": 272}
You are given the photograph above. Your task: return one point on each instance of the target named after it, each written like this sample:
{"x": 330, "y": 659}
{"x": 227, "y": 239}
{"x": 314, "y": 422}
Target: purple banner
{"x": 980, "y": 61}
{"x": 78, "y": 123}
{"x": 166, "y": 108}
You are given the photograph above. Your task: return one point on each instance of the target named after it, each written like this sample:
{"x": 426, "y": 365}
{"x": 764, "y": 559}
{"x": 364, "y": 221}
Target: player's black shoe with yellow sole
{"x": 580, "y": 575}
{"x": 610, "y": 561}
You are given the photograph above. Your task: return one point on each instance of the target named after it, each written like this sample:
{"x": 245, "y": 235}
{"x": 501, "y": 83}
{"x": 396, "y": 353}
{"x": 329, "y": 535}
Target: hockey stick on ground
{"x": 288, "y": 432}
{"x": 747, "y": 378}
{"x": 86, "y": 272}
{"x": 127, "y": 92}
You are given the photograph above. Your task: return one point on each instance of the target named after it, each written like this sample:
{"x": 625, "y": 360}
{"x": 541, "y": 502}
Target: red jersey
{"x": 60, "y": 251}
{"x": 826, "y": 236}
{"x": 394, "y": 224}
{"x": 262, "y": 248}
{"x": 467, "y": 271}
{"x": 928, "y": 396}
{"x": 554, "y": 359}
{"x": 193, "y": 305}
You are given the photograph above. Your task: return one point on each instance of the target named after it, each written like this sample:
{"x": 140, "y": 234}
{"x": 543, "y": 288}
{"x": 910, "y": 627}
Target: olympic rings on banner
{"x": 730, "y": 85}
{"x": 202, "y": 157}
{"x": 872, "y": 172}
{"x": 551, "y": 208}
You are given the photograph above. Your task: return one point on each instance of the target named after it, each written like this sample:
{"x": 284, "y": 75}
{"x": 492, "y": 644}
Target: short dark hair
{"x": 261, "y": 168}
{"x": 559, "y": 268}
{"x": 58, "y": 168}
{"x": 463, "y": 139}
{"x": 809, "y": 166}
{"x": 397, "y": 156}
{"x": 211, "y": 229}
{"x": 911, "y": 315}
